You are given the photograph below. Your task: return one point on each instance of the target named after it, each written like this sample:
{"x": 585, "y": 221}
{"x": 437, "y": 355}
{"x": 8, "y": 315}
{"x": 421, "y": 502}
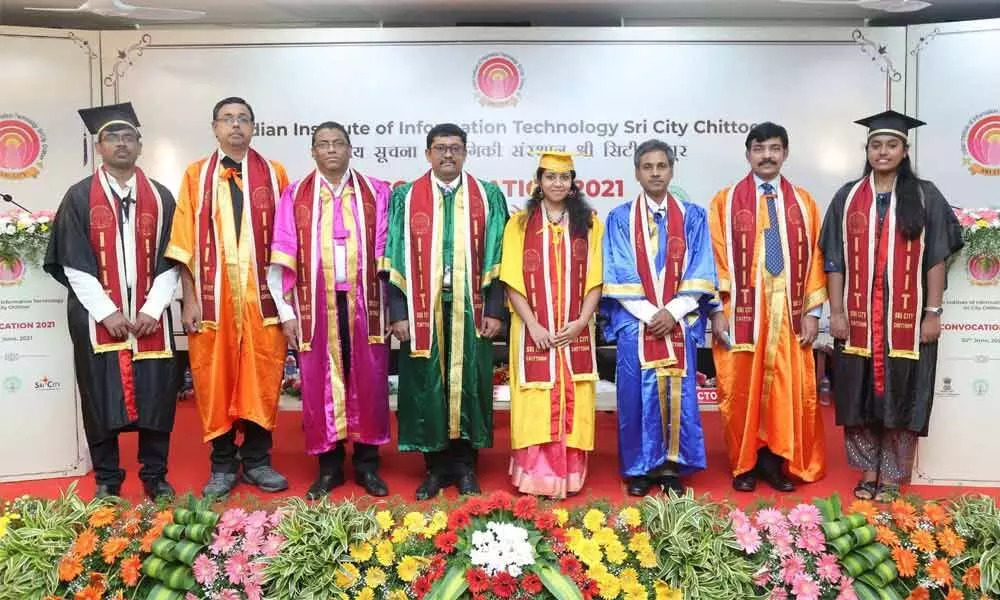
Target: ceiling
{"x": 410, "y": 13}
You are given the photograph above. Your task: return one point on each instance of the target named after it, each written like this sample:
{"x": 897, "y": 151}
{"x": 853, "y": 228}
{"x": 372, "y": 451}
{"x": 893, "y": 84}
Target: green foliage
{"x": 977, "y": 519}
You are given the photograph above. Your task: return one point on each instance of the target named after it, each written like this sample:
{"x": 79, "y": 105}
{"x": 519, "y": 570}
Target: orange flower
{"x": 954, "y": 594}
{"x": 70, "y": 567}
{"x": 98, "y": 582}
{"x": 164, "y": 517}
{"x": 924, "y": 541}
{"x": 88, "y": 593}
{"x": 904, "y": 514}
{"x": 112, "y": 548}
{"x": 936, "y": 514}
{"x": 863, "y": 507}
{"x": 906, "y": 561}
{"x": 119, "y": 595}
{"x": 130, "y": 570}
{"x": 972, "y": 577}
{"x": 146, "y": 545}
{"x": 886, "y": 536}
{"x": 131, "y": 519}
{"x": 950, "y": 542}
{"x": 85, "y": 544}
{"x": 919, "y": 593}
{"x": 940, "y": 571}
{"x": 102, "y": 516}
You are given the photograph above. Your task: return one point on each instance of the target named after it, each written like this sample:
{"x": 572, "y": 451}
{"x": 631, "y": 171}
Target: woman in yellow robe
{"x": 552, "y": 265}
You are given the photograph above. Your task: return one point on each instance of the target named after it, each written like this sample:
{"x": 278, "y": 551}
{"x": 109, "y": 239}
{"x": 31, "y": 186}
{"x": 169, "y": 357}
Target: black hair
{"x": 762, "y": 132}
{"x": 580, "y": 213}
{"x": 446, "y": 130}
{"x": 231, "y": 100}
{"x": 910, "y": 211}
{"x": 653, "y": 146}
{"x": 330, "y": 125}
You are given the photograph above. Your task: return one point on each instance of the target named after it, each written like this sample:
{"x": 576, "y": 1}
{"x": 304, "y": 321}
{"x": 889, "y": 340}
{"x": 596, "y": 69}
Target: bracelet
{"x": 937, "y": 310}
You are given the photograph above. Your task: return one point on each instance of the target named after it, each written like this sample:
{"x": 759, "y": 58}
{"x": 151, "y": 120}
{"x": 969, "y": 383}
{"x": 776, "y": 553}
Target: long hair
{"x": 909, "y": 209}
{"x": 580, "y": 213}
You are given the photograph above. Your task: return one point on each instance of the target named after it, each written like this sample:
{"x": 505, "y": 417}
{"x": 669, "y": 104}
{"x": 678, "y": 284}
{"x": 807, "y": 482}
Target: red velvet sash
{"x": 656, "y": 352}
{"x": 424, "y": 223}
{"x": 870, "y": 252}
{"x": 743, "y": 255}
{"x": 259, "y": 204}
{"x": 541, "y": 271}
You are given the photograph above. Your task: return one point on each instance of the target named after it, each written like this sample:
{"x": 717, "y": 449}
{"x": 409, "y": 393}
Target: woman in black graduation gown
{"x": 886, "y": 239}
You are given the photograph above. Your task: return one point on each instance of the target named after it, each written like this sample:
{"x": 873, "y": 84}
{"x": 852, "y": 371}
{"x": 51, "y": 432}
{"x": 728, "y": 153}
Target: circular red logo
{"x": 743, "y": 221}
{"x": 793, "y": 215}
{"x": 420, "y": 223}
{"x": 101, "y": 217}
{"x": 498, "y": 79}
{"x": 22, "y": 147}
{"x": 982, "y": 140}
{"x": 532, "y": 261}
{"x": 857, "y": 223}
{"x": 580, "y": 249}
{"x": 147, "y": 225}
{"x": 675, "y": 248}
{"x": 302, "y": 216}
{"x": 263, "y": 199}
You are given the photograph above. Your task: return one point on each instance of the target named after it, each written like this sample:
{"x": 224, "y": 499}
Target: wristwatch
{"x": 934, "y": 309}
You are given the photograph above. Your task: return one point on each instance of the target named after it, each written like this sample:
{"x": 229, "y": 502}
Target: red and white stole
{"x": 423, "y": 236}
{"x": 745, "y": 255}
{"x": 306, "y": 209}
{"x": 260, "y": 194}
{"x": 870, "y": 253}
{"x": 655, "y": 352}
{"x": 540, "y": 266}
{"x": 147, "y": 214}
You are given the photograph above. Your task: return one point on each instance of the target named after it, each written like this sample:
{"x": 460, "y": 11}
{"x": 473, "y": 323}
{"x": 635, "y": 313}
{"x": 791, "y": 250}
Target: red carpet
{"x": 189, "y": 466}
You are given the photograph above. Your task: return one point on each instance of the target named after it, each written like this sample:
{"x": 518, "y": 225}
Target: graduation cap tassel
{"x": 85, "y": 149}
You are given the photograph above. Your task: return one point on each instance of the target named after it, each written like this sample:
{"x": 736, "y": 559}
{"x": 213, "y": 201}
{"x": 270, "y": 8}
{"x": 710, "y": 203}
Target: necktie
{"x": 774, "y": 261}
{"x": 125, "y": 202}
{"x": 661, "y": 240}
{"x": 232, "y": 172}
{"x": 445, "y": 190}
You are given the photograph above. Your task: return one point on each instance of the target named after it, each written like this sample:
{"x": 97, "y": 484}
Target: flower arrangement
{"x": 24, "y": 237}
{"x": 232, "y": 567}
{"x": 980, "y": 231}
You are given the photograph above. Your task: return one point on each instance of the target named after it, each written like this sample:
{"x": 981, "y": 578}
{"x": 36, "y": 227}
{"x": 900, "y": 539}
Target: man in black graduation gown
{"x": 106, "y": 247}
{"x": 886, "y": 239}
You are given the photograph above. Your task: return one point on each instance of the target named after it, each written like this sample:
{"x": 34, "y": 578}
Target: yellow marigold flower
{"x": 594, "y": 520}
{"x": 408, "y": 568}
{"x": 366, "y": 594}
{"x": 647, "y": 559}
{"x": 384, "y": 520}
{"x": 375, "y": 577}
{"x": 665, "y": 592}
{"x": 561, "y": 516}
{"x": 439, "y": 521}
{"x": 639, "y": 541}
{"x": 609, "y": 587}
{"x": 361, "y": 552}
{"x": 347, "y": 576}
{"x": 398, "y": 594}
{"x": 605, "y": 536}
{"x": 573, "y": 536}
{"x": 598, "y": 572}
{"x": 385, "y": 553}
{"x": 631, "y": 516}
{"x": 399, "y": 535}
{"x": 589, "y": 552}
{"x": 415, "y": 521}
{"x": 633, "y": 590}
{"x": 615, "y": 553}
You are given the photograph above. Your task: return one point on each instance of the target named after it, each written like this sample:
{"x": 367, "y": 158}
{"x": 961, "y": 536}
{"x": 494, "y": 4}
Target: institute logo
{"x": 981, "y": 144}
{"x": 47, "y": 384}
{"x": 22, "y": 147}
{"x": 498, "y": 80}
{"x": 12, "y": 384}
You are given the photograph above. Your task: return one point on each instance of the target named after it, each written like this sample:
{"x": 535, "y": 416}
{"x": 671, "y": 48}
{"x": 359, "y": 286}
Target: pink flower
{"x": 805, "y": 515}
{"x": 237, "y": 568}
{"x": 778, "y": 594}
{"x": 253, "y": 541}
{"x": 253, "y": 590}
{"x": 762, "y": 578}
{"x": 274, "y": 519}
{"x": 273, "y": 545}
{"x": 748, "y": 538}
{"x": 769, "y": 518}
{"x": 739, "y": 519}
{"x": 205, "y": 570}
{"x": 812, "y": 541}
{"x": 782, "y": 540}
{"x": 966, "y": 219}
{"x": 847, "y": 594}
{"x": 224, "y": 542}
{"x": 256, "y": 520}
{"x": 988, "y": 214}
{"x": 791, "y": 568}
{"x": 805, "y": 588}
{"x": 827, "y": 568}
{"x": 233, "y": 519}
{"x": 190, "y": 596}
{"x": 228, "y": 594}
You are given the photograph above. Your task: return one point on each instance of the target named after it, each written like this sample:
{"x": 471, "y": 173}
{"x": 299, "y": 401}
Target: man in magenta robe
{"x": 329, "y": 236}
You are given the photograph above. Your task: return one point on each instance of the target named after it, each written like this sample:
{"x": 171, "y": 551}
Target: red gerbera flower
{"x": 531, "y": 583}
{"x": 558, "y": 534}
{"x": 545, "y": 521}
{"x": 504, "y": 585}
{"x": 436, "y": 569}
{"x": 478, "y": 581}
{"x": 525, "y": 507}
{"x": 476, "y": 506}
{"x": 500, "y": 500}
{"x": 589, "y": 589}
{"x": 421, "y": 586}
{"x": 458, "y": 519}
{"x": 570, "y": 566}
{"x": 445, "y": 541}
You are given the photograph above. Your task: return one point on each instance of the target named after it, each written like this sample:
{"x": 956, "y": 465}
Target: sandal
{"x": 887, "y": 493}
{"x": 865, "y": 490}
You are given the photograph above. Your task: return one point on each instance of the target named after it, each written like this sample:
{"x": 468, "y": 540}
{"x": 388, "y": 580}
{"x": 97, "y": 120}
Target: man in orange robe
{"x": 765, "y": 233}
{"x": 222, "y": 233}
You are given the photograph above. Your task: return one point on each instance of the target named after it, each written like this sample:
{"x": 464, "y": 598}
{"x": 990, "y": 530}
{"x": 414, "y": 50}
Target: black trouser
{"x": 153, "y": 448}
{"x": 769, "y": 462}
{"x": 458, "y": 458}
{"x": 255, "y": 451}
{"x": 365, "y": 456}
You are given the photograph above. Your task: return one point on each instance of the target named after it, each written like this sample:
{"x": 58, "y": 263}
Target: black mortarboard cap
{"x": 100, "y": 117}
{"x": 890, "y": 122}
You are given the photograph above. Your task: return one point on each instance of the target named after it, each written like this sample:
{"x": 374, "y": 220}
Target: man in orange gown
{"x": 222, "y": 233}
{"x": 765, "y": 233}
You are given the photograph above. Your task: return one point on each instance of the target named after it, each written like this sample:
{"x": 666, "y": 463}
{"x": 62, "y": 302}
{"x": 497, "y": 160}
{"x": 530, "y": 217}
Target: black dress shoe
{"x": 745, "y": 482}
{"x": 468, "y": 484}
{"x": 372, "y": 483}
{"x": 639, "y": 486}
{"x": 158, "y": 489}
{"x": 671, "y": 483}
{"x": 432, "y": 486}
{"x": 778, "y": 480}
{"x": 107, "y": 491}
{"x": 324, "y": 484}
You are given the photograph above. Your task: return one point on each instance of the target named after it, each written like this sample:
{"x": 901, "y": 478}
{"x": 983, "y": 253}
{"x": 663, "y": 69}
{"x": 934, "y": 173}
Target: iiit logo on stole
{"x": 498, "y": 79}
{"x": 981, "y": 144}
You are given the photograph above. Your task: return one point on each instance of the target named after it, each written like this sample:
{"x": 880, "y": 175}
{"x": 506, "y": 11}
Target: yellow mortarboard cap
{"x": 558, "y": 162}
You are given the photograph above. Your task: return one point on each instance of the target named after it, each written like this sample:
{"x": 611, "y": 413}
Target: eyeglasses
{"x": 328, "y": 145}
{"x": 231, "y": 120}
{"x": 453, "y": 149}
{"x": 116, "y": 138}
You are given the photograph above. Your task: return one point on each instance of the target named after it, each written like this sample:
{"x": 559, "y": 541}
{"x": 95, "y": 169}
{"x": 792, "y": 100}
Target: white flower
{"x": 10, "y": 229}
{"x": 501, "y": 547}
{"x": 43, "y": 219}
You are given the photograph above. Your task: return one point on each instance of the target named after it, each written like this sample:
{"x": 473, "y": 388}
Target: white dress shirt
{"x": 90, "y": 292}
{"x": 678, "y": 307}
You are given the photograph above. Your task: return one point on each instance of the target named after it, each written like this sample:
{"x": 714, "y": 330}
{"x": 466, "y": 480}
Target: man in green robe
{"x": 445, "y": 305}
